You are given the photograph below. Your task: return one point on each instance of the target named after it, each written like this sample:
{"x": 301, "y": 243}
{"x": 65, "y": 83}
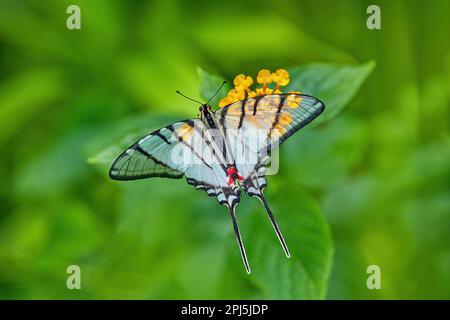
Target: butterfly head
{"x": 205, "y": 110}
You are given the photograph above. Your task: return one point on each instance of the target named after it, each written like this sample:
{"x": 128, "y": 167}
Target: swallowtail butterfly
{"x": 222, "y": 151}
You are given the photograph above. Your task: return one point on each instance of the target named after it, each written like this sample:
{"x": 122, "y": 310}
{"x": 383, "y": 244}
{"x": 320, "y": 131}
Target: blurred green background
{"x": 370, "y": 186}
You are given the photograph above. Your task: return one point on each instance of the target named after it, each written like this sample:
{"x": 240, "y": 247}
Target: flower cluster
{"x": 242, "y": 84}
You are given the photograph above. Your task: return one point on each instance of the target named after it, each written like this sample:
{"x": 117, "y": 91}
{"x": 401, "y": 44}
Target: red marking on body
{"x": 230, "y": 172}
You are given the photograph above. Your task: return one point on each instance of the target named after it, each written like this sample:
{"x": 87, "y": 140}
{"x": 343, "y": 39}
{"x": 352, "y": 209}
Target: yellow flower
{"x": 293, "y": 100}
{"x": 236, "y": 94}
{"x": 264, "y": 77}
{"x": 251, "y": 94}
{"x": 243, "y": 81}
{"x": 233, "y": 96}
{"x": 225, "y": 101}
{"x": 263, "y": 91}
{"x": 242, "y": 90}
{"x": 280, "y": 77}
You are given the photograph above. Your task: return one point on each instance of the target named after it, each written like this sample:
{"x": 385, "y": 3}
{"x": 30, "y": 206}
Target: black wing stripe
{"x": 189, "y": 122}
{"x": 222, "y": 122}
{"x": 162, "y": 137}
{"x": 116, "y": 174}
{"x": 241, "y": 119}
{"x": 317, "y": 111}
{"x": 277, "y": 114}
{"x": 138, "y": 148}
{"x": 121, "y": 167}
{"x": 223, "y": 194}
{"x": 148, "y": 175}
{"x": 198, "y": 184}
{"x": 255, "y": 106}
{"x": 213, "y": 152}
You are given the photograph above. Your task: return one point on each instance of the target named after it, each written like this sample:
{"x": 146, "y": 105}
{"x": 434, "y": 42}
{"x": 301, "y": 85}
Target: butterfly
{"x": 222, "y": 151}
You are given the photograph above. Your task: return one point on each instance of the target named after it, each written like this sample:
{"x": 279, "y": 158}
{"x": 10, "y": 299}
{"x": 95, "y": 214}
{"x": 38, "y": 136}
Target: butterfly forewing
{"x": 181, "y": 148}
{"x": 149, "y": 157}
{"x": 255, "y": 126}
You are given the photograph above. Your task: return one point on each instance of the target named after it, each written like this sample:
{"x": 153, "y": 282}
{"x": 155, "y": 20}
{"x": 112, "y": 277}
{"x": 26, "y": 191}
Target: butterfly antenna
{"x": 188, "y": 97}
{"x": 274, "y": 224}
{"x": 238, "y": 238}
{"x": 223, "y": 83}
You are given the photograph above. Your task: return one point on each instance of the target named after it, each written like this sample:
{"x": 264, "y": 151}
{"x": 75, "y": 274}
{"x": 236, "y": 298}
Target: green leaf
{"x": 335, "y": 85}
{"x": 311, "y": 145}
{"x": 305, "y": 274}
{"x": 209, "y": 83}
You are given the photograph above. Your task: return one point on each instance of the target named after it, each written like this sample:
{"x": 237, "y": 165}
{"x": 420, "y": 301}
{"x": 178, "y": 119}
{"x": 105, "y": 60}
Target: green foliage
{"x": 305, "y": 275}
{"x": 209, "y": 84}
{"x": 335, "y": 85}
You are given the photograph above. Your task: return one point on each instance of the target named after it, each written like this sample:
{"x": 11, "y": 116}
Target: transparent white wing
{"x": 150, "y": 156}
{"x": 181, "y": 148}
{"x": 255, "y": 126}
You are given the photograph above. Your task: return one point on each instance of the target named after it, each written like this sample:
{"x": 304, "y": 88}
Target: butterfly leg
{"x": 239, "y": 240}
{"x": 274, "y": 224}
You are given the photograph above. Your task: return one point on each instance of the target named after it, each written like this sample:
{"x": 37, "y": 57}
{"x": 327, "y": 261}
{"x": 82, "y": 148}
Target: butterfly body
{"x": 207, "y": 116}
{"x": 222, "y": 151}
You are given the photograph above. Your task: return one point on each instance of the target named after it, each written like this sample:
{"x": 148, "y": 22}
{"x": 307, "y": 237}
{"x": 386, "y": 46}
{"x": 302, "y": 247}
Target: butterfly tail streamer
{"x": 274, "y": 224}
{"x": 239, "y": 239}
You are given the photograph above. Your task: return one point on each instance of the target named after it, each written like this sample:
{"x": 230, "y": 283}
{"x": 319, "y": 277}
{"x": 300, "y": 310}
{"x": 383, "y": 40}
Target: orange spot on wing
{"x": 235, "y": 109}
{"x": 293, "y": 100}
{"x": 285, "y": 119}
{"x": 254, "y": 121}
{"x": 269, "y": 103}
{"x": 280, "y": 128}
{"x": 185, "y": 132}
